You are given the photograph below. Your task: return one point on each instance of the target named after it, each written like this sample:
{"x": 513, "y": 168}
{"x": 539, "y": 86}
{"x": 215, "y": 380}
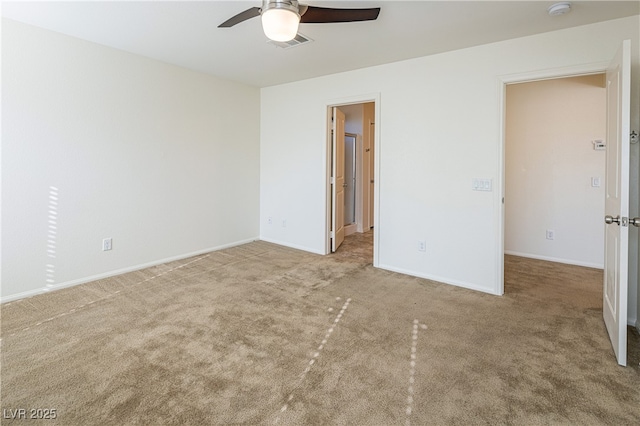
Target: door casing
{"x": 595, "y": 68}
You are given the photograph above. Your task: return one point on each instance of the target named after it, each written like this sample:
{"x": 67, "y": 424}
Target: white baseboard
{"x": 443, "y": 280}
{"x": 350, "y": 229}
{"x": 293, "y": 246}
{"x": 556, "y": 259}
{"x": 23, "y": 294}
{"x": 84, "y": 280}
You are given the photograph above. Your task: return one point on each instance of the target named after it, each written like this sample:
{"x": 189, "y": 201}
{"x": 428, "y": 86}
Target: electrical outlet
{"x": 422, "y": 245}
{"x": 107, "y": 244}
{"x": 551, "y": 234}
{"x": 270, "y": 220}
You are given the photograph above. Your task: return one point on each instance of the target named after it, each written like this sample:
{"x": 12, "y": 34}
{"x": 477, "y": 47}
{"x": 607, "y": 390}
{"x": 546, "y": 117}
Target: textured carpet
{"x": 261, "y": 334}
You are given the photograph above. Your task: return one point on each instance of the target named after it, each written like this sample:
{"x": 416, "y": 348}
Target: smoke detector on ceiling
{"x": 559, "y": 8}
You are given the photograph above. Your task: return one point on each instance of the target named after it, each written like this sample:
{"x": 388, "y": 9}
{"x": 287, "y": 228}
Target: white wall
{"x": 439, "y": 129}
{"x": 353, "y": 118}
{"x": 163, "y": 160}
{"x": 549, "y": 164}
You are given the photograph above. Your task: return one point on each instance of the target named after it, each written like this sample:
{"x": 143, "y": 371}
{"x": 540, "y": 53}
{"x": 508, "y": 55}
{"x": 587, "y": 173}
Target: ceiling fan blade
{"x": 240, "y": 17}
{"x": 320, "y": 15}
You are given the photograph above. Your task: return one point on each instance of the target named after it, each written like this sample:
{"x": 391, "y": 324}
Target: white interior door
{"x": 614, "y": 304}
{"x": 337, "y": 179}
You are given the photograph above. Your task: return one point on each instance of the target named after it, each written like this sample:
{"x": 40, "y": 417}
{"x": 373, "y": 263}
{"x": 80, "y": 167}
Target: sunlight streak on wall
{"x": 52, "y": 233}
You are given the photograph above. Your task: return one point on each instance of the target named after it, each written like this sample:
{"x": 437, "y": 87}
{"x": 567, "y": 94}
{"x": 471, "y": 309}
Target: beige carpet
{"x": 261, "y": 334}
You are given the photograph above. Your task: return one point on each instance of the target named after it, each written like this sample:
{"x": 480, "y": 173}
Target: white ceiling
{"x": 185, "y": 32}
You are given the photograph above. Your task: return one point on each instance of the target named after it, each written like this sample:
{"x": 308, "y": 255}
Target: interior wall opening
{"x": 555, "y": 136}
{"x": 354, "y": 167}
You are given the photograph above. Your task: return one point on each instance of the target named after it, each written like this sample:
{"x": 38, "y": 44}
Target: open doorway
{"x": 351, "y": 178}
{"x": 611, "y": 119}
{"x": 615, "y": 259}
{"x": 505, "y": 82}
{"x": 555, "y": 139}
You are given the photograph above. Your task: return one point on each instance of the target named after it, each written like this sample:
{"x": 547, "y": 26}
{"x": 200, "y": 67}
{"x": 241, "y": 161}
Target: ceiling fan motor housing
{"x": 290, "y": 10}
{"x": 291, "y": 5}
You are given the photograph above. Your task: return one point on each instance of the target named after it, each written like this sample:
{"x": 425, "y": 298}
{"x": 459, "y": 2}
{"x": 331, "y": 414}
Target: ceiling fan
{"x": 280, "y": 18}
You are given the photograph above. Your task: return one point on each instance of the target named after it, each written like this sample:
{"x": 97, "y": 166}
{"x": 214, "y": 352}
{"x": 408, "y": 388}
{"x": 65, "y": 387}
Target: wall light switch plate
{"x": 107, "y": 244}
{"x": 595, "y": 182}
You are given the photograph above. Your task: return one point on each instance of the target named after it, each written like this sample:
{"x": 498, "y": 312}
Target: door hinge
{"x": 332, "y": 234}
{"x": 333, "y": 180}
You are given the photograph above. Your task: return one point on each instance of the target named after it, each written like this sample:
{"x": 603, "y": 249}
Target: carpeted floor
{"x": 261, "y": 334}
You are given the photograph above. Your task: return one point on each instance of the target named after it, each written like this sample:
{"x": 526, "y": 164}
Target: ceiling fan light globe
{"x": 280, "y": 24}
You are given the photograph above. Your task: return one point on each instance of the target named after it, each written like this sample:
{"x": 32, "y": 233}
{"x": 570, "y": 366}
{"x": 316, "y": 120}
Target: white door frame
{"x": 503, "y": 81}
{"x": 357, "y": 99}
